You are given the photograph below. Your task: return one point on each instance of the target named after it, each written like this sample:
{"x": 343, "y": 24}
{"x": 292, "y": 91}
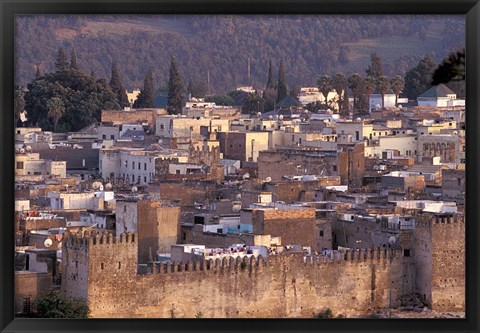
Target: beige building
{"x": 406, "y": 145}
{"x": 171, "y": 126}
{"x": 30, "y": 164}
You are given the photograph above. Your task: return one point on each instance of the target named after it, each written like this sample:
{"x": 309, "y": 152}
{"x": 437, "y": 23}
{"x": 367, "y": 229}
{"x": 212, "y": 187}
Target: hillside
{"x": 222, "y": 45}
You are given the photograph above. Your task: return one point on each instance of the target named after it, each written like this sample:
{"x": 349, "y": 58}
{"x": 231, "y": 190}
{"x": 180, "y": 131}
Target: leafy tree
{"x": 339, "y": 83}
{"x": 451, "y": 69}
{"x": 253, "y": 104}
{"x": 324, "y": 86}
{"x": 175, "y": 89}
{"x": 282, "y": 90}
{"x": 73, "y": 60}
{"x": 418, "y": 79}
{"x": 325, "y": 314}
{"x": 145, "y": 98}
{"x": 83, "y": 97}
{"x": 56, "y": 110}
{"x": 117, "y": 86}
{"x": 383, "y": 85}
{"x": 375, "y": 68}
{"x": 397, "y": 84}
{"x": 220, "y": 100}
{"x": 53, "y": 305}
{"x": 369, "y": 86}
{"x": 19, "y": 103}
{"x": 61, "y": 64}
{"x": 270, "y": 83}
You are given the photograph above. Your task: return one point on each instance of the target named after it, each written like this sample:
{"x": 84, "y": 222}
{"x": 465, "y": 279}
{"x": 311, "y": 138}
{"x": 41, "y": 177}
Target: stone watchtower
{"x": 92, "y": 257}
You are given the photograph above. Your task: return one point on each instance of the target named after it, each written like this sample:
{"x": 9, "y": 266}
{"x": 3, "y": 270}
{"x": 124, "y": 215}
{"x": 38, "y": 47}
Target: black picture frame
{"x": 469, "y": 8}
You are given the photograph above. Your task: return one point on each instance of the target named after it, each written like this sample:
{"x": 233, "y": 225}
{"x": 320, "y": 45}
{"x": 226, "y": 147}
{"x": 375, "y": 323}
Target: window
{"x": 177, "y": 172}
{"x": 126, "y": 163}
{"x": 18, "y": 132}
{"x": 112, "y": 137}
{"x": 26, "y": 305}
{"x": 406, "y": 252}
{"x": 145, "y": 179}
{"x": 125, "y": 208}
{"x": 104, "y": 136}
{"x": 145, "y": 166}
{"x": 321, "y": 233}
{"x": 102, "y": 266}
{"x": 76, "y": 264}
{"x": 119, "y": 265}
{"x": 162, "y": 126}
{"x": 19, "y": 165}
{"x": 133, "y": 165}
{"x": 459, "y": 181}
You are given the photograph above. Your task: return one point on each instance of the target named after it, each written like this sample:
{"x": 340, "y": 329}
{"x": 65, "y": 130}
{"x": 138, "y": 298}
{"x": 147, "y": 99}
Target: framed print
{"x": 182, "y": 166}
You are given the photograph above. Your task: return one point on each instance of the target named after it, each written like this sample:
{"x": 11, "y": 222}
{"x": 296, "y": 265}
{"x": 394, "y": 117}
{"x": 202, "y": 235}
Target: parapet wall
{"x": 286, "y": 285}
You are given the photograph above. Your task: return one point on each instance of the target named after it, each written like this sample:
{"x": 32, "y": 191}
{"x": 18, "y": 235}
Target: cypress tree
{"x": 73, "y": 60}
{"x": 38, "y": 74}
{"x": 175, "y": 89}
{"x": 282, "y": 85}
{"x": 117, "y": 86}
{"x": 145, "y": 98}
{"x": 270, "y": 83}
{"x": 61, "y": 64}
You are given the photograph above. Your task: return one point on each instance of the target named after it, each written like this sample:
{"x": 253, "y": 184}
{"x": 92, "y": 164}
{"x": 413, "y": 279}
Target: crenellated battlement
{"x": 258, "y": 263}
{"x": 95, "y": 238}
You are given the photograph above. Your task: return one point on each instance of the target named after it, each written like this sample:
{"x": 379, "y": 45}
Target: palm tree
{"x": 397, "y": 83}
{"x": 324, "y": 85}
{"x": 339, "y": 83}
{"x": 383, "y": 84}
{"x": 369, "y": 86}
{"x": 355, "y": 83}
{"x": 56, "y": 109}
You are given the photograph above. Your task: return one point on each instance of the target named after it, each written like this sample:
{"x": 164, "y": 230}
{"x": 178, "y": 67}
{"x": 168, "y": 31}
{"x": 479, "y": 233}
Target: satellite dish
{"x": 280, "y": 117}
{"x": 59, "y": 246}
{"x": 96, "y": 185}
{"x": 108, "y": 186}
{"x": 392, "y": 240}
{"x": 17, "y": 150}
{"x": 100, "y": 187}
{"x": 134, "y": 189}
{"x": 236, "y": 208}
{"x": 359, "y": 119}
{"x": 259, "y": 114}
{"x": 28, "y": 148}
{"x": 268, "y": 179}
{"x": 270, "y": 117}
{"x": 48, "y": 242}
{"x": 246, "y": 176}
{"x": 22, "y": 150}
{"x": 239, "y": 196}
{"x": 400, "y": 106}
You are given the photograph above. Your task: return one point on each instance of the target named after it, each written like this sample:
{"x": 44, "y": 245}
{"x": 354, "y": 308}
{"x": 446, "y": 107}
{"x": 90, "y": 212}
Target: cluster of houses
{"x": 216, "y": 182}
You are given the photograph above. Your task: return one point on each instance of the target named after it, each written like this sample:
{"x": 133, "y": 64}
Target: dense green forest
{"x": 221, "y": 47}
